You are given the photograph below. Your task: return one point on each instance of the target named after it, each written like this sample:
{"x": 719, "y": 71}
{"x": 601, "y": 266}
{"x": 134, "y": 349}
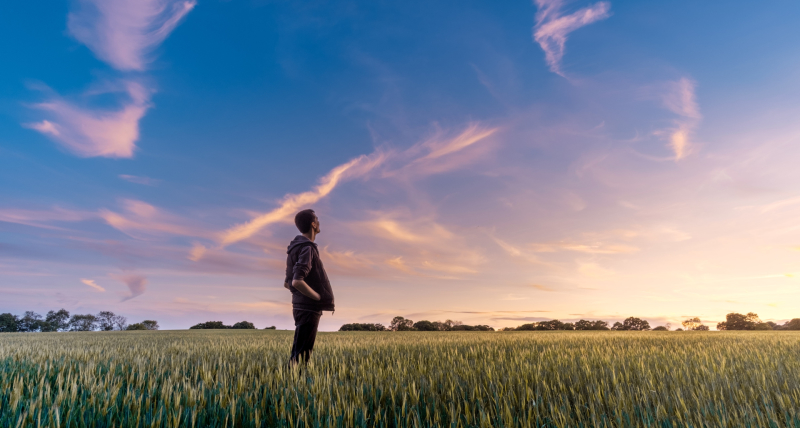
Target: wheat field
{"x": 401, "y": 379}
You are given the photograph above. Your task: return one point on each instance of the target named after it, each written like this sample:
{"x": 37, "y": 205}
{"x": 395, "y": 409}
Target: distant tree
{"x": 244, "y": 325}
{"x": 362, "y": 327}
{"x": 440, "y": 326}
{"x": 569, "y": 326}
{"x": 632, "y": 323}
{"x": 150, "y": 324}
{"x": 425, "y": 326}
{"x": 401, "y": 324}
{"x": 86, "y": 322}
{"x": 691, "y": 323}
{"x": 56, "y": 321}
{"x": 463, "y": 327}
{"x": 794, "y": 324}
{"x": 701, "y": 328}
{"x": 736, "y": 321}
{"x": 661, "y": 328}
{"x": 526, "y": 327}
{"x": 108, "y": 321}
{"x": 449, "y": 324}
{"x": 678, "y": 329}
{"x": 30, "y": 322}
{"x": 272, "y": 327}
{"x": 209, "y": 325}
{"x": 508, "y": 329}
{"x": 136, "y": 326}
{"x": 9, "y": 323}
{"x": 550, "y": 325}
{"x": 762, "y": 326}
{"x": 591, "y": 325}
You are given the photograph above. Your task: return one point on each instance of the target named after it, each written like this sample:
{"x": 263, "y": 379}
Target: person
{"x": 309, "y": 284}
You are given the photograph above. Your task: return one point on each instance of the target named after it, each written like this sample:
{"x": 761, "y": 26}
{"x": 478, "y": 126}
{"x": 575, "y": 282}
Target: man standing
{"x": 308, "y": 282}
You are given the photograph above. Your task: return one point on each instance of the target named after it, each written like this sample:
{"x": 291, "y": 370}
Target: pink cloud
{"x": 137, "y": 285}
{"x": 142, "y": 218}
{"x": 680, "y": 99}
{"x": 123, "y": 32}
{"x": 552, "y": 27}
{"x": 96, "y": 132}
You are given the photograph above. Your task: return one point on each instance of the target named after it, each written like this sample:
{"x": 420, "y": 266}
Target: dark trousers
{"x": 305, "y": 333}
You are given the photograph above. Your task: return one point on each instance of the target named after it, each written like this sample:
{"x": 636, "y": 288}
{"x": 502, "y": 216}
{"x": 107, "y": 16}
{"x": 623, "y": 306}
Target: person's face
{"x": 315, "y": 225}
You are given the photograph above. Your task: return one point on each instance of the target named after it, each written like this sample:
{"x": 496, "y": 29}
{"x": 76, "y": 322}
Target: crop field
{"x": 401, "y": 379}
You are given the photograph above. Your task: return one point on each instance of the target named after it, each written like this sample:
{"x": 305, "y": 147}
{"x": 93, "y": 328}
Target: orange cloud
{"x": 91, "y": 283}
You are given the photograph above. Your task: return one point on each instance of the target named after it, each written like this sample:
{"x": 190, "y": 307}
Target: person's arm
{"x": 304, "y": 288}
{"x": 301, "y": 269}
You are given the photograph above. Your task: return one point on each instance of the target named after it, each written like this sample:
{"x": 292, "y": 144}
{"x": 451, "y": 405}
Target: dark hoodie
{"x": 303, "y": 262}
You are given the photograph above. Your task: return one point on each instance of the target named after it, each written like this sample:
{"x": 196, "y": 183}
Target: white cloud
{"x": 123, "y": 32}
{"x": 552, "y": 27}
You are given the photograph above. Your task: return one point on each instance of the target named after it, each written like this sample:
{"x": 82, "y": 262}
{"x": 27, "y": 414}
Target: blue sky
{"x": 496, "y": 163}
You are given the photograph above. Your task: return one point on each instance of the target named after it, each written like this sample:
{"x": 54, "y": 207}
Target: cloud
{"x": 680, "y": 99}
{"x": 41, "y": 218}
{"x": 137, "y": 285}
{"x": 441, "y": 153}
{"x": 197, "y": 252}
{"x": 142, "y": 217}
{"x": 552, "y": 27}
{"x": 123, "y": 32}
{"x": 291, "y": 203}
{"x": 96, "y": 132}
{"x": 91, "y": 283}
{"x": 147, "y": 181}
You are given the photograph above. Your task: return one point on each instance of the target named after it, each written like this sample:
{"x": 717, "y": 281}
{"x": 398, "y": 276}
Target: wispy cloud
{"x": 137, "y": 285}
{"x": 42, "y": 218}
{"x": 147, "y": 181}
{"x": 123, "y": 32}
{"x": 96, "y": 132}
{"x": 141, "y": 217}
{"x": 680, "y": 99}
{"x": 552, "y": 27}
{"x": 441, "y": 153}
{"x": 293, "y": 202}
{"x": 91, "y": 283}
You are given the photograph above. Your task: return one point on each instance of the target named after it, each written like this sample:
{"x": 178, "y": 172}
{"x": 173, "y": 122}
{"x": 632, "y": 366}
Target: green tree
{"x": 691, "y": 323}
{"x": 401, "y": 324}
{"x": 30, "y": 322}
{"x": 425, "y": 326}
{"x": 244, "y": 325}
{"x": 661, "y": 328}
{"x": 136, "y": 326}
{"x": 794, "y": 324}
{"x": 632, "y": 324}
{"x": 56, "y": 321}
{"x": 86, "y": 322}
{"x": 736, "y": 321}
{"x": 208, "y": 325}
{"x": 9, "y": 323}
{"x": 150, "y": 324}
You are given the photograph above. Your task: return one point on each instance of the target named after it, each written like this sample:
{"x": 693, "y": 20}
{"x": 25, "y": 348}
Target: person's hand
{"x": 316, "y": 297}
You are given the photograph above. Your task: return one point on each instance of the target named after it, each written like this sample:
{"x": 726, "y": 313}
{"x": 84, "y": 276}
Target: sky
{"x": 495, "y": 163}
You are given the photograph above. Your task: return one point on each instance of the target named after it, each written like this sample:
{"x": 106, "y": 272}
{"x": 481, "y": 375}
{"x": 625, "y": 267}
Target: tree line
{"x": 218, "y": 325}
{"x": 61, "y": 320}
{"x": 733, "y": 321}
{"x": 404, "y": 324}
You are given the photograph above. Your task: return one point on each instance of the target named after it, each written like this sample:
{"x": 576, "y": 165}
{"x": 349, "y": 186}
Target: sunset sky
{"x": 490, "y": 162}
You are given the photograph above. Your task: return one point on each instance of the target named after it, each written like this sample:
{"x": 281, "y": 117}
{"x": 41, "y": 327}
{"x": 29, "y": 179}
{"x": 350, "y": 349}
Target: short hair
{"x": 303, "y": 220}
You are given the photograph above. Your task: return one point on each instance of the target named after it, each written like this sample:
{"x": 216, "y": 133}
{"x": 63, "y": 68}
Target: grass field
{"x": 239, "y": 378}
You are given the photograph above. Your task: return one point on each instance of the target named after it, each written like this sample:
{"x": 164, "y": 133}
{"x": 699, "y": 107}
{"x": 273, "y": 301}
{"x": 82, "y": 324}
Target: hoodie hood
{"x": 298, "y": 241}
